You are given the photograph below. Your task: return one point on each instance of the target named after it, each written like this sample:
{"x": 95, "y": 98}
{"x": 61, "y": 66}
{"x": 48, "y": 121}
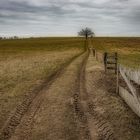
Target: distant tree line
{"x": 12, "y": 37}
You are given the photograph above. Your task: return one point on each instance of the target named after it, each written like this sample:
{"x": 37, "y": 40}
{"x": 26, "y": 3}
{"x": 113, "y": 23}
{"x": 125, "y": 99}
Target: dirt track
{"x": 51, "y": 114}
{"x": 80, "y": 104}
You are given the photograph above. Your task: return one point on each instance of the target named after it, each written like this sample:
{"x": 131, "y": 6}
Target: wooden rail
{"x": 131, "y": 97}
{"x": 110, "y": 61}
{"x": 131, "y": 91}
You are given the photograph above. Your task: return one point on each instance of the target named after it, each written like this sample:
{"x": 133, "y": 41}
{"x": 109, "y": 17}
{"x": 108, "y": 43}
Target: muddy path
{"x": 80, "y": 103}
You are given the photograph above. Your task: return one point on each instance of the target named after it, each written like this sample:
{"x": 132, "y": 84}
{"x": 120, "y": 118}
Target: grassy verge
{"x": 128, "y": 48}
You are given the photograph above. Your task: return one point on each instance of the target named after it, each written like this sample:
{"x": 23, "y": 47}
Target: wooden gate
{"x": 111, "y": 61}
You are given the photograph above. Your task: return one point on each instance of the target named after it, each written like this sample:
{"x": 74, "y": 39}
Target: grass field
{"x": 26, "y": 63}
{"x": 128, "y": 48}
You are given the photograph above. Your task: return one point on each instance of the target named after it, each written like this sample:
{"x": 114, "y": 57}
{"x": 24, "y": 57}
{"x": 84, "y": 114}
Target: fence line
{"x": 131, "y": 92}
{"x": 132, "y": 102}
{"x": 131, "y": 97}
{"x": 132, "y": 74}
{"x": 127, "y": 81}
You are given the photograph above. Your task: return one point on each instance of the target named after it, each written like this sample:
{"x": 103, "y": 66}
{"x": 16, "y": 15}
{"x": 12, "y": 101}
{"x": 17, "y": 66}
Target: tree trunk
{"x": 86, "y": 36}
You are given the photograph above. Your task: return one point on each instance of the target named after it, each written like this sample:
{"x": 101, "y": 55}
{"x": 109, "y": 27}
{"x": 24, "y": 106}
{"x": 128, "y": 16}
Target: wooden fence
{"x": 130, "y": 90}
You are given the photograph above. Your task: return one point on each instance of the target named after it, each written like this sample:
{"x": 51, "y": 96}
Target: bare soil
{"x": 79, "y": 104}
{"x": 52, "y": 114}
{"x": 112, "y": 117}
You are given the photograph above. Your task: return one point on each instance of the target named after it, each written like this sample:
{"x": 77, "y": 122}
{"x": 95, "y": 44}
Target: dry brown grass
{"x": 23, "y": 68}
{"x": 128, "y": 48}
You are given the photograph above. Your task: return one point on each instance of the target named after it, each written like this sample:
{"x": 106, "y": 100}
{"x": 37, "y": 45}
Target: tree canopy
{"x": 86, "y": 32}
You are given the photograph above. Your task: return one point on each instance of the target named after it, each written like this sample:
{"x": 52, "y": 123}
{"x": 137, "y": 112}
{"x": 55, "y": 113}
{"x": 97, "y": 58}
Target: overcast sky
{"x": 66, "y": 17}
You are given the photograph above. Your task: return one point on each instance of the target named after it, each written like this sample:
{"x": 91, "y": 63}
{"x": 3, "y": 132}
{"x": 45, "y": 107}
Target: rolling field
{"x": 50, "y": 89}
{"x": 26, "y": 63}
{"x": 128, "y": 48}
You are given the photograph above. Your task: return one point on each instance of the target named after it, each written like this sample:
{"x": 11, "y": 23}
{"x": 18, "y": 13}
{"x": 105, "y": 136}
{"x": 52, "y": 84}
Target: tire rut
{"x": 112, "y": 116}
{"x": 33, "y": 99}
{"x": 79, "y": 110}
{"x": 104, "y": 129}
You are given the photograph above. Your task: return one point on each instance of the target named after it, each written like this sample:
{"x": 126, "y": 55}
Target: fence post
{"x": 93, "y": 50}
{"x": 117, "y": 86}
{"x": 96, "y": 56}
{"x": 105, "y": 61}
{"x": 116, "y": 65}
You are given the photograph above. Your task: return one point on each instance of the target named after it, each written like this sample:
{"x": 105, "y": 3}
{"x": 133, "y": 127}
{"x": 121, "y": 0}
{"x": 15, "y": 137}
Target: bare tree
{"x": 86, "y": 32}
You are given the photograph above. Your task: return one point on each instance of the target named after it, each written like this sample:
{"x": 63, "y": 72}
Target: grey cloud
{"x": 56, "y": 15}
